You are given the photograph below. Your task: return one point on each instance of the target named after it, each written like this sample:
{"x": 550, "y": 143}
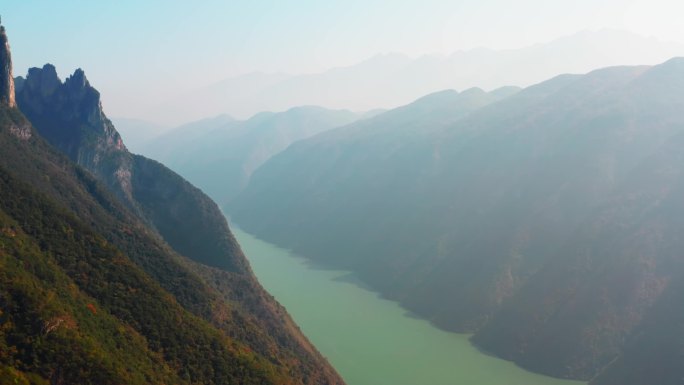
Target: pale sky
{"x": 147, "y": 48}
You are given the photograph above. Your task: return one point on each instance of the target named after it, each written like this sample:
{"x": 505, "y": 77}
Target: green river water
{"x": 370, "y": 340}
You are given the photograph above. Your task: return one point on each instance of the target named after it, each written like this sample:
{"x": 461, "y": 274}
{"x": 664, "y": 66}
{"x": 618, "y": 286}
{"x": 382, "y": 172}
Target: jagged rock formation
{"x": 69, "y": 115}
{"x": 6, "y": 78}
{"x": 86, "y": 135}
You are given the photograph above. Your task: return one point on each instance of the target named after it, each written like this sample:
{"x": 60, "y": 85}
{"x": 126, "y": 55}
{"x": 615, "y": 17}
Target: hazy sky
{"x": 148, "y": 48}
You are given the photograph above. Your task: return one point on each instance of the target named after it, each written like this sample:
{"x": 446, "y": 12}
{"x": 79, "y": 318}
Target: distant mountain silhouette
{"x": 391, "y": 80}
{"x": 219, "y": 154}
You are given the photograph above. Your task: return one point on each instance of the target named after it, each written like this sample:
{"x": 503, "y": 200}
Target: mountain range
{"x": 545, "y": 221}
{"x": 219, "y": 154}
{"x": 394, "y": 79}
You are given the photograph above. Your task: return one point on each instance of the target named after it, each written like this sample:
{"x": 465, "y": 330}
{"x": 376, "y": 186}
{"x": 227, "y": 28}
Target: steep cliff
{"x": 6, "y": 78}
{"x": 91, "y": 291}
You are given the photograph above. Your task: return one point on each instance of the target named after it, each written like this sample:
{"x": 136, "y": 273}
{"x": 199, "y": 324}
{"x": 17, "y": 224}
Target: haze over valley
{"x": 361, "y": 193}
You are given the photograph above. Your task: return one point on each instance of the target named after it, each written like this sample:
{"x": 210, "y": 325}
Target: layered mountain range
{"x": 545, "y": 221}
{"x": 114, "y": 269}
{"x": 393, "y": 79}
{"x": 220, "y": 154}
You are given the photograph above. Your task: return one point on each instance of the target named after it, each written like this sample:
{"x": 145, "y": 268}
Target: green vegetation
{"x": 76, "y": 308}
{"x": 122, "y": 305}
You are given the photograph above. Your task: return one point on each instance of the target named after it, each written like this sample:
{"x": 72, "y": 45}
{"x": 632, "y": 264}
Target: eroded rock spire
{"x": 6, "y": 79}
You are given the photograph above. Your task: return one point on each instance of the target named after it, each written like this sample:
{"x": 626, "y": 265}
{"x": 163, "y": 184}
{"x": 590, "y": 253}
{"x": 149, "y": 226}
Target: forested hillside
{"x": 91, "y": 291}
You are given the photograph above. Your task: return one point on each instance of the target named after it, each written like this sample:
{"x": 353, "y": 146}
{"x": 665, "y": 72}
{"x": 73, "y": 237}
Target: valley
{"x": 376, "y": 193}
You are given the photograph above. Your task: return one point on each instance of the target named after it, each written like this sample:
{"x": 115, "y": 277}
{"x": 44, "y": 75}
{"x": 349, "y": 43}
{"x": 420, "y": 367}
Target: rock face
{"x": 6, "y": 78}
{"x": 70, "y": 116}
{"x": 86, "y": 135}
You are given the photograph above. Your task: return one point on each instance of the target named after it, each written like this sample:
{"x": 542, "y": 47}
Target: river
{"x": 371, "y": 340}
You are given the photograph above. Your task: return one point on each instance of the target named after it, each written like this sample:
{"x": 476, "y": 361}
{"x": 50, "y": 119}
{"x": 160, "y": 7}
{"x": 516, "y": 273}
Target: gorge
{"x": 371, "y": 340}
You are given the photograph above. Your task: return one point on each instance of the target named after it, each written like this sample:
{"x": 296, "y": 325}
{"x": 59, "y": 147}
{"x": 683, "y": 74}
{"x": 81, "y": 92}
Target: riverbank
{"x": 371, "y": 340}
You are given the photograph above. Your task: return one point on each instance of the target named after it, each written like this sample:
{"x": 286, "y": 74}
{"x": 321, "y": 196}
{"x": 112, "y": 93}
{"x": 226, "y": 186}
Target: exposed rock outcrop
{"x": 6, "y": 79}
{"x": 70, "y": 116}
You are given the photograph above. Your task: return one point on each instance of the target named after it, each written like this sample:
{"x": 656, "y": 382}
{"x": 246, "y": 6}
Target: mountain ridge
{"x": 219, "y": 154}
{"x": 384, "y": 81}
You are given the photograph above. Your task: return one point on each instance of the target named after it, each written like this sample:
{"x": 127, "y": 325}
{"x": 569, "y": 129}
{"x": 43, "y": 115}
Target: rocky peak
{"x": 42, "y": 81}
{"x": 78, "y": 81}
{"x": 18, "y": 83}
{"x": 82, "y": 94}
{"x": 75, "y": 103}
{"x": 69, "y": 115}
{"x": 6, "y": 79}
